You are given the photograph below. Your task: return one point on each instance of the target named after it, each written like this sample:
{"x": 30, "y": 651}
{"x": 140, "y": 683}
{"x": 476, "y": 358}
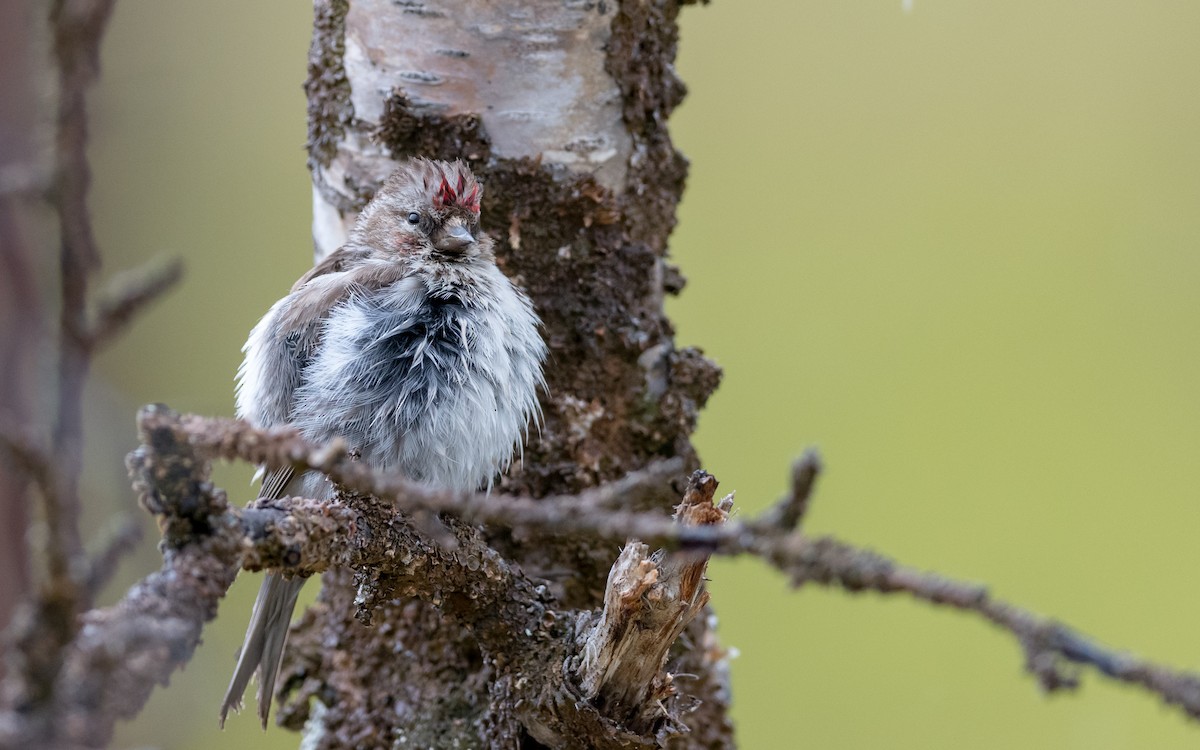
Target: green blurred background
{"x": 954, "y": 248}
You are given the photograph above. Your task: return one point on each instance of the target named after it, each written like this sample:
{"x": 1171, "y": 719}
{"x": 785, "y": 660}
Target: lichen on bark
{"x": 327, "y": 88}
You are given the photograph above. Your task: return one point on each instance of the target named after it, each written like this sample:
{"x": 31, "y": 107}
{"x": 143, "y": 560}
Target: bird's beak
{"x": 453, "y": 238}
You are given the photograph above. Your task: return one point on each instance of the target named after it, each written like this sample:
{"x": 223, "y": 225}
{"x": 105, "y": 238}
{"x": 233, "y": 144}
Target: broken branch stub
{"x": 649, "y": 599}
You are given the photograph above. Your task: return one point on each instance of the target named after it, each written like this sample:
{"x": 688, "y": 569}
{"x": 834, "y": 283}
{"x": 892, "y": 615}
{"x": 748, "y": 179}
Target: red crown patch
{"x": 451, "y": 195}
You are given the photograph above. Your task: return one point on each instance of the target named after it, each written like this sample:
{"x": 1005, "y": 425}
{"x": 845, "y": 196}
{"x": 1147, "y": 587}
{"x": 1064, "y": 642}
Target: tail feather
{"x": 263, "y": 648}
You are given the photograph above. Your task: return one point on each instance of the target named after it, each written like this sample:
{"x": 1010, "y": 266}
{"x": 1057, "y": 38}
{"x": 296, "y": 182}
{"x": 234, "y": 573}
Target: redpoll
{"x": 409, "y": 344}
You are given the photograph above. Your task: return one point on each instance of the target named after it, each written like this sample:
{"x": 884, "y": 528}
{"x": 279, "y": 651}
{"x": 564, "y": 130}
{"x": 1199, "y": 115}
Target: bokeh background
{"x": 955, "y": 248}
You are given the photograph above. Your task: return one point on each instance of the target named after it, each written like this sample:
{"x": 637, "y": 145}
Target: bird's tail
{"x": 263, "y": 647}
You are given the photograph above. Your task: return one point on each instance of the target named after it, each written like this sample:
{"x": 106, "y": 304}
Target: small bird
{"x": 408, "y": 344}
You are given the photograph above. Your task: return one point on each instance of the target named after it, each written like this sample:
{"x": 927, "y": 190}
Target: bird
{"x": 408, "y": 344}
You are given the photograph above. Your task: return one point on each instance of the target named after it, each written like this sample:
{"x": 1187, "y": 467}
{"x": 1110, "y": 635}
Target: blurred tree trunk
{"x": 560, "y": 106}
{"x": 21, "y": 276}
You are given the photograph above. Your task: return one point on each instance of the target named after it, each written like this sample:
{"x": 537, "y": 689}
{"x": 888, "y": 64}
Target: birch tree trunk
{"x": 560, "y": 106}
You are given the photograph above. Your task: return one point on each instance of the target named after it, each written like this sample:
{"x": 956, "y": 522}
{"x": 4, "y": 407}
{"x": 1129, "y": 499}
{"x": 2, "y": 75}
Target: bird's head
{"x": 426, "y": 209}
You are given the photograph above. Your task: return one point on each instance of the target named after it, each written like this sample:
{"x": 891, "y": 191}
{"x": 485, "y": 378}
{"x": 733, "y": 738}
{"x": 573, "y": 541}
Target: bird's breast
{"x": 427, "y": 385}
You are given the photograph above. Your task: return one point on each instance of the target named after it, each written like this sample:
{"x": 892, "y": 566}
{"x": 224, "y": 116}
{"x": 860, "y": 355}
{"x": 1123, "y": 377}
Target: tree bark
{"x": 561, "y": 109}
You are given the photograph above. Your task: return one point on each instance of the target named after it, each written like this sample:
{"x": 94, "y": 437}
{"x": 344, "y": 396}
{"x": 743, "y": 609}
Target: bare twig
{"x": 475, "y": 586}
{"x": 790, "y": 511}
{"x": 824, "y": 561}
{"x": 128, "y": 294}
{"x": 231, "y": 439}
{"x": 119, "y": 543}
{"x": 31, "y": 459}
{"x": 78, "y": 26}
{"x": 1048, "y": 644}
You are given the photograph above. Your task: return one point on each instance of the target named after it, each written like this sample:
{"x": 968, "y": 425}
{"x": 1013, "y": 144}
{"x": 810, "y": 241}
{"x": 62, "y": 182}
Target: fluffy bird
{"x": 409, "y": 344}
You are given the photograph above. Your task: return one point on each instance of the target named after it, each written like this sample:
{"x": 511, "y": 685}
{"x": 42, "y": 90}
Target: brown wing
{"x": 315, "y": 293}
{"x": 339, "y": 260}
{"x": 319, "y": 290}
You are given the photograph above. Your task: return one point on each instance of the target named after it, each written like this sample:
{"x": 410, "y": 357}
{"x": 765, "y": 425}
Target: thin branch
{"x": 32, "y": 460}
{"x": 790, "y": 511}
{"x": 231, "y": 439}
{"x": 119, "y": 543}
{"x": 823, "y": 561}
{"x": 78, "y": 26}
{"x": 367, "y": 529}
{"x": 1048, "y": 644}
{"x": 128, "y": 294}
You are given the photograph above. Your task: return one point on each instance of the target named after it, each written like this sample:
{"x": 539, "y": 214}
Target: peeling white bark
{"x": 533, "y": 71}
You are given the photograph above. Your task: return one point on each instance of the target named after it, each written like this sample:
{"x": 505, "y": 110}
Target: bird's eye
{"x": 414, "y": 218}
